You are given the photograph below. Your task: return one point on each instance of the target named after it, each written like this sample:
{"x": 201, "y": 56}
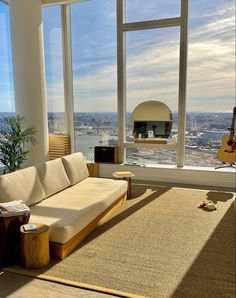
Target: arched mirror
{"x": 152, "y": 120}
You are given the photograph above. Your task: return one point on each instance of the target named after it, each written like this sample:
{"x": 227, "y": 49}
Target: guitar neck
{"x": 232, "y": 124}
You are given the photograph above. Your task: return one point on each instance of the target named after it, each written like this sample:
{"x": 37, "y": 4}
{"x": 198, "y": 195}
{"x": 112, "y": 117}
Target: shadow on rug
{"x": 159, "y": 244}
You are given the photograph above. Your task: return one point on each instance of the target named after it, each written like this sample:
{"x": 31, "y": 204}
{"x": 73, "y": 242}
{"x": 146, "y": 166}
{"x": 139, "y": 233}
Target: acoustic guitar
{"x": 227, "y": 151}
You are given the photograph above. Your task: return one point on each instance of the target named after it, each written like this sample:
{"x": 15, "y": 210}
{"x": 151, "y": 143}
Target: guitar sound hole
{"x": 230, "y": 143}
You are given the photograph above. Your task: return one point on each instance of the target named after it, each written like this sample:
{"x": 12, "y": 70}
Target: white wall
{"x": 172, "y": 174}
{"x": 28, "y": 71}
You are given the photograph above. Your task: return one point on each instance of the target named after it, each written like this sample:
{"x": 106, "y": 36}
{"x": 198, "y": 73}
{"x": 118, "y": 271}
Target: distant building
{"x": 212, "y": 135}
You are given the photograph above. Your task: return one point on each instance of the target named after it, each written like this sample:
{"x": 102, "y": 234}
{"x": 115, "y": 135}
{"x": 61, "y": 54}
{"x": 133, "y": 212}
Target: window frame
{"x": 123, "y": 27}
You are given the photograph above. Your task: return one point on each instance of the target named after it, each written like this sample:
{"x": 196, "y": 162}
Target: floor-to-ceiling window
{"x": 211, "y": 78}
{"x": 152, "y": 55}
{"x": 52, "y": 29}
{"x": 151, "y": 75}
{"x": 7, "y": 101}
{"x": 152, "y": 69}
{"x": 94, "y": 46}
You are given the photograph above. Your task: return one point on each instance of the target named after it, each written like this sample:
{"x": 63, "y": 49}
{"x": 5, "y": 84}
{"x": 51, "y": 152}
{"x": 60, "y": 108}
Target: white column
{"x": 182, "y": 83}
{"x": 29, "y": 72}
{"x": 121, "y": 81}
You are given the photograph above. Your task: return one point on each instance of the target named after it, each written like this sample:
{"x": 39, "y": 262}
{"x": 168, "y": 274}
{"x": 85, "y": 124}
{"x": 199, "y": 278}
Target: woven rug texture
{"x": 158, "y": 244}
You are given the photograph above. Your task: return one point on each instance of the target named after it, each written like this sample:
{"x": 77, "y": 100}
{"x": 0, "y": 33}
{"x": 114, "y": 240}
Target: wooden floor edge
{"x": 66, "y": 282}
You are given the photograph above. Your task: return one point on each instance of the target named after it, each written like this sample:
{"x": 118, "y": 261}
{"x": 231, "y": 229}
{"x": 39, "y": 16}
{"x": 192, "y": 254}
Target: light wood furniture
{"x": 59, "y": 146}
{"x": 34, "y": 247}
{"x": 151, "y": 141}
{"x": 60, "y": 251}
{"x": 128, "y": 179}
{"x": 93, "y": 169}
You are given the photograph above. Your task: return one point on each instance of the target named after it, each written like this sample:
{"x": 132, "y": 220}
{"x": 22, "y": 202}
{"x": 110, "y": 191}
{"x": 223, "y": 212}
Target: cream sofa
{"x": 61, "y": 194}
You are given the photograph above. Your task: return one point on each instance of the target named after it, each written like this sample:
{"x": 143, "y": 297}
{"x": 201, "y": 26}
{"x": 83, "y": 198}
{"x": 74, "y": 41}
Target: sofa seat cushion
{"x": 21, "y": 185}
{"x": 52, "y": 176}
{"x": 68, "y": 212}
{"x": 75, "y": 167}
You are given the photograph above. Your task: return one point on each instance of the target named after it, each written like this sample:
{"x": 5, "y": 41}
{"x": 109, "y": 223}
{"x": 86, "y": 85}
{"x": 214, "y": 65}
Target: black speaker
{"x": 106, "y": 154}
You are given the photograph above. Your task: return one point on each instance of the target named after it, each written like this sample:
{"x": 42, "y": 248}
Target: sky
{"x": 152, "y": 56}
{"x": 6, "y": 76}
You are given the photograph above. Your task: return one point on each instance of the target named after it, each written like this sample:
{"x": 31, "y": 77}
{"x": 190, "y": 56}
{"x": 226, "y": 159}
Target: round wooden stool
{"x": 34, "y": 247}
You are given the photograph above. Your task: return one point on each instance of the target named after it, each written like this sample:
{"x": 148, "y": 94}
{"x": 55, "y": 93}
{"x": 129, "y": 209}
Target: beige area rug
{"x": 159, "y": 244}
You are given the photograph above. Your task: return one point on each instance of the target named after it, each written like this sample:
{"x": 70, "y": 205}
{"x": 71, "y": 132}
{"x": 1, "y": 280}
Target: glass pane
{"x": 149, "y": 157}
{"x": 94, "y": 74}
{"x": 7, "y": 100}
{"x": 211, "y": 79}
{"x": 139, "y": 10}
{"x": 54, "y": 69}
{"x": 152, "y": 74}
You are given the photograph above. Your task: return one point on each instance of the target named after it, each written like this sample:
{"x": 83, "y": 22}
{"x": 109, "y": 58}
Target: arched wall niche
{"x": 152, "y": 119}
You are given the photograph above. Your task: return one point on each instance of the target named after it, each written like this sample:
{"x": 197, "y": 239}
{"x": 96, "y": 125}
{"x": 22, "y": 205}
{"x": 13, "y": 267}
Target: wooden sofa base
{"x": 60, "y": 251}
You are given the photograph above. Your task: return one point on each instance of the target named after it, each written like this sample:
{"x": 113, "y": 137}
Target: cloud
{"x": 152, "y": 70}
{"x": 137, "y": 11}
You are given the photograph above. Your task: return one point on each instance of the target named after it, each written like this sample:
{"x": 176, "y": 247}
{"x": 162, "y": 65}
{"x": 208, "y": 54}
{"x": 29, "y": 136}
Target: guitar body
{"x": 227, "y": 153}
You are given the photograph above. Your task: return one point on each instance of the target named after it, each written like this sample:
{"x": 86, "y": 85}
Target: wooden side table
{"x": 9, "y": 238}
{"x": 34, "y": 247}
{"x": 128, "y": 179}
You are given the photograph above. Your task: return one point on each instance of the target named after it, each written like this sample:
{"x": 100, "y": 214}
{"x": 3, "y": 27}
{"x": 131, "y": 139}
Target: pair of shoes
{"x": 209, "y": 205}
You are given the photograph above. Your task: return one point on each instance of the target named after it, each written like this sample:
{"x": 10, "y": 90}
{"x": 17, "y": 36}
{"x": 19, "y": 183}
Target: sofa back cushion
{"x": 76, "y": 167}
{"x": 21, "y": 185}
{"x": 52, "y": 176}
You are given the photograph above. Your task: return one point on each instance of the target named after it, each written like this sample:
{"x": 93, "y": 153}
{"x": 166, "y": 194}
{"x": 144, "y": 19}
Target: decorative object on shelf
{"x": 227, "y": 151}
{"x": 152, "y": 122}
{"x": 15, "y": 141}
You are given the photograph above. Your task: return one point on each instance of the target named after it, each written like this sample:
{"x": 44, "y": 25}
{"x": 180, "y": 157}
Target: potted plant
{"x": 15, "y": 141}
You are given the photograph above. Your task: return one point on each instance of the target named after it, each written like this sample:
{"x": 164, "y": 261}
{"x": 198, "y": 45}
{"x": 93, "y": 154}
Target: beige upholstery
{"x": 76, "y": 167}
{"x": 69, "y": 211}
{"x": 21, "y": 185}
{"x": 52, "y": 176}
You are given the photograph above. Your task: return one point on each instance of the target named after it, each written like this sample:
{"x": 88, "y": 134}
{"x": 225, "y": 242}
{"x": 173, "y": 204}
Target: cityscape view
{"x": 204, "y": 132}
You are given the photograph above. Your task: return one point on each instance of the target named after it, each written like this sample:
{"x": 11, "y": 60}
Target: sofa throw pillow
{"x": 21, "y": 185}
{"x": 75, "y": 167}
{"x": 52, "y": 176}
